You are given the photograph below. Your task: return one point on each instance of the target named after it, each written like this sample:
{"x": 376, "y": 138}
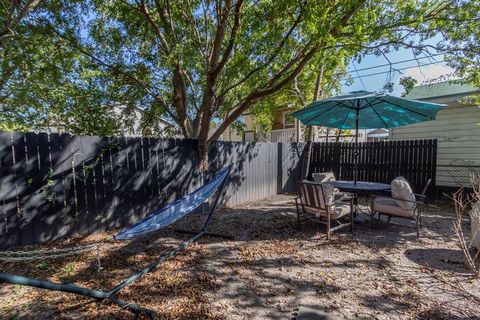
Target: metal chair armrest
{"x": 310, "y": 182}
{"x": 422, "y": 196}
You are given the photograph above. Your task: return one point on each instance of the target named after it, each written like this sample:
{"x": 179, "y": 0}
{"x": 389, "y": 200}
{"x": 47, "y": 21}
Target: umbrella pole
{"x": 355, "y": 168}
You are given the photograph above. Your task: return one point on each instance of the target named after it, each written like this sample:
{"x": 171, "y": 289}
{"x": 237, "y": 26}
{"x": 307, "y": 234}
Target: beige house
{"x": 457, "y": 129}
{"x": 285, "y": 129}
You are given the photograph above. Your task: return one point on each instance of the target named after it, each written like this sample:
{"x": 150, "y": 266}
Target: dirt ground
{"x": 269, "y": 270}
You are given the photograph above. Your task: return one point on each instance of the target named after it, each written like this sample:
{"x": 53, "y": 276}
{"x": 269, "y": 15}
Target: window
{"x": 288, "y": 121}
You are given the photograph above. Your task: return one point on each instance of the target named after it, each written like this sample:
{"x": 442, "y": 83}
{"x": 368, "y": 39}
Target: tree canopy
{"x": 199, "y": 61}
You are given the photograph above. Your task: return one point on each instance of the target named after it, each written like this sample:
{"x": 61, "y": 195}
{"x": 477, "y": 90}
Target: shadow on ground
{"x": 268, "y": 270}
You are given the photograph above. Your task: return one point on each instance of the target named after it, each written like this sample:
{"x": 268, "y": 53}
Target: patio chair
{"x": 316, "y": 202}
{"x": 403, "y": 204}
{"x": 321, "y": 177}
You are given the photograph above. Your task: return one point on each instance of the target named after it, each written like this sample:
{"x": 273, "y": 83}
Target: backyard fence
{"x": 55, "y": 185}
{"x": 381, "y": 161}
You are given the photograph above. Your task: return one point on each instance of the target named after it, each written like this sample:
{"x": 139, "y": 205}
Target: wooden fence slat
{"x": 33, "y": 200}
{"x": 79, "y": 180}
{"x": 10, "y": 233}
{"x": 21, "y": 187}
{"x": 22, "y": 180}
{"x": 120, "y": 170}
{"x": 66, "y": 171}
{"x": 108, "y": 182}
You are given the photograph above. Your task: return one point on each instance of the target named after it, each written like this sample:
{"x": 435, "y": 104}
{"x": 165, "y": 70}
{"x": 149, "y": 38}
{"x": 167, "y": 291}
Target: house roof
{"x": 380, "y": 131}
{"x": 142, "y": 110}
{"x": 441, "y": 89}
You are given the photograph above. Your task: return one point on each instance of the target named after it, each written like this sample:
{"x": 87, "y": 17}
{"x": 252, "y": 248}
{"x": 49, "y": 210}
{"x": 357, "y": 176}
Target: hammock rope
{"x": 12, "y": 256}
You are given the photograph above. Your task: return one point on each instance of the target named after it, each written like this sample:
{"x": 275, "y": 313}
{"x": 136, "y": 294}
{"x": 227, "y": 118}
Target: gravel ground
{"x": 269, "y": 270}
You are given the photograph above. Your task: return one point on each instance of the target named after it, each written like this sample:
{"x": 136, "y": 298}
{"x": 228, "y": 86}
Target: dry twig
{"x": 468, "y": 203}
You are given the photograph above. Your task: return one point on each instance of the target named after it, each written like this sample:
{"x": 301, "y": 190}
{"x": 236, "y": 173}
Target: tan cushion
{"x": 390, "y": 206}
{"x": 475, "y": 225}
{"x": 342, "y": 209}
{"x": 321, "y": 177}
{"x": 338, "y": 210}
{"x": 328, "y": 192}
{"x": 401, "y": 190}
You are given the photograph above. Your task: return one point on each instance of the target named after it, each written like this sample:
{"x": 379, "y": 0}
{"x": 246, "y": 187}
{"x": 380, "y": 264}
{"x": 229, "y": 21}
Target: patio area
{"x": 268, "y": 271}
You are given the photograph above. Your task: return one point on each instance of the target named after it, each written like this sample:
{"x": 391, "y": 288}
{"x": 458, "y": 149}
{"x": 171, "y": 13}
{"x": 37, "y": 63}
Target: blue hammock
{"x": 173, "y": 212}
{"x": 157, "y": 220}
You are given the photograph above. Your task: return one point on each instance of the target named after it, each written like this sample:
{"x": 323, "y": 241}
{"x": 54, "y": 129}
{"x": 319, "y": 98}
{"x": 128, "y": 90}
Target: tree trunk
{"x": 203, "y": 149}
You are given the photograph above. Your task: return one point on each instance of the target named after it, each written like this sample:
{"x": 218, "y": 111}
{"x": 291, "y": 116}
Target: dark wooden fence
{"x": 382, "y": 161}
{"x": 55, "y": 185}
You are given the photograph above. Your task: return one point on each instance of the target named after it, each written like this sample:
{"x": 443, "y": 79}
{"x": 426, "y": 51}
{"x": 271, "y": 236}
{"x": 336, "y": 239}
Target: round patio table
{"x": 360, "y": 186}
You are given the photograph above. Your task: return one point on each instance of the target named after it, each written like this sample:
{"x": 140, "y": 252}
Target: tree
{"x": 319, "y": 79}
{"x": 407, "y": 83}
{"x": 199, "y": 61}
{"x": 46, "y": 83}
{"x": 11, "y": 15}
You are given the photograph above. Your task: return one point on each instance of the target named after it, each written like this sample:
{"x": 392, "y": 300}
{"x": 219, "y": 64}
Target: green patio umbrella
{"x": 366, "y": 110}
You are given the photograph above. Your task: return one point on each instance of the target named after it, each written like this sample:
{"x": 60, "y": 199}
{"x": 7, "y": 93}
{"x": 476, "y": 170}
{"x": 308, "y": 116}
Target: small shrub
{"x": 469, "y": 204}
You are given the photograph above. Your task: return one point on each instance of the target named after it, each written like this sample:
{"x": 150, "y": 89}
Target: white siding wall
{"x": 457, "y": 129}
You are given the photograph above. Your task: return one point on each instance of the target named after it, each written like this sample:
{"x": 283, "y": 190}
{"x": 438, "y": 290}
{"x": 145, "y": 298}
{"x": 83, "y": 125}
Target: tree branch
{"x": 231, "y": 41}
{"x": 114, "y": 68}
{"x": 12, "y": 20}
{"x": 258, "y": 94}
{"x": 146, "y": 13}
{"x": 269, "y": 60}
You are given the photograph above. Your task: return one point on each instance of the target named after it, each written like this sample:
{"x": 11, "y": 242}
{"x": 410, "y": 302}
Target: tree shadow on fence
{"x": 52, "y": 186}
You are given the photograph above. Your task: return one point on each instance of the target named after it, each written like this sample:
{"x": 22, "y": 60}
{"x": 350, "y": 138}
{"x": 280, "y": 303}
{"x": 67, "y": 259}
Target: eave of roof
{"x": 441, "y": 89}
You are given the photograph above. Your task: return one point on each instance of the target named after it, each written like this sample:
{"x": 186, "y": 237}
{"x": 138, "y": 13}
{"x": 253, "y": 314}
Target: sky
{"x": 432, "y": 69}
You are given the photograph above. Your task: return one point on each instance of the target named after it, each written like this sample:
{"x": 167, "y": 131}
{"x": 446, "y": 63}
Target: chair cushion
{"x": 329, "y": 193}
{"x": 321, "y": 177}
{"x": 342, "y": 209}
{"x": 339, "y": 209}
{"x": 390, "y": 206}
{"x": 401, "y": 190}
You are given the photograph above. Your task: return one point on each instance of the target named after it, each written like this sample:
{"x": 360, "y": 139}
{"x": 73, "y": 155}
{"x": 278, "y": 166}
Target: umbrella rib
{"x": 344, "y": 120}
{"x": 318, "y": 115}
{"x": 346, "y": 105}
{"x": 423, "y": 115}
{"x": 368, "y": 104}
{"x": 413, "y": 111}
{"x": 386, "y": 125}
{"x": 306, "y": 108}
